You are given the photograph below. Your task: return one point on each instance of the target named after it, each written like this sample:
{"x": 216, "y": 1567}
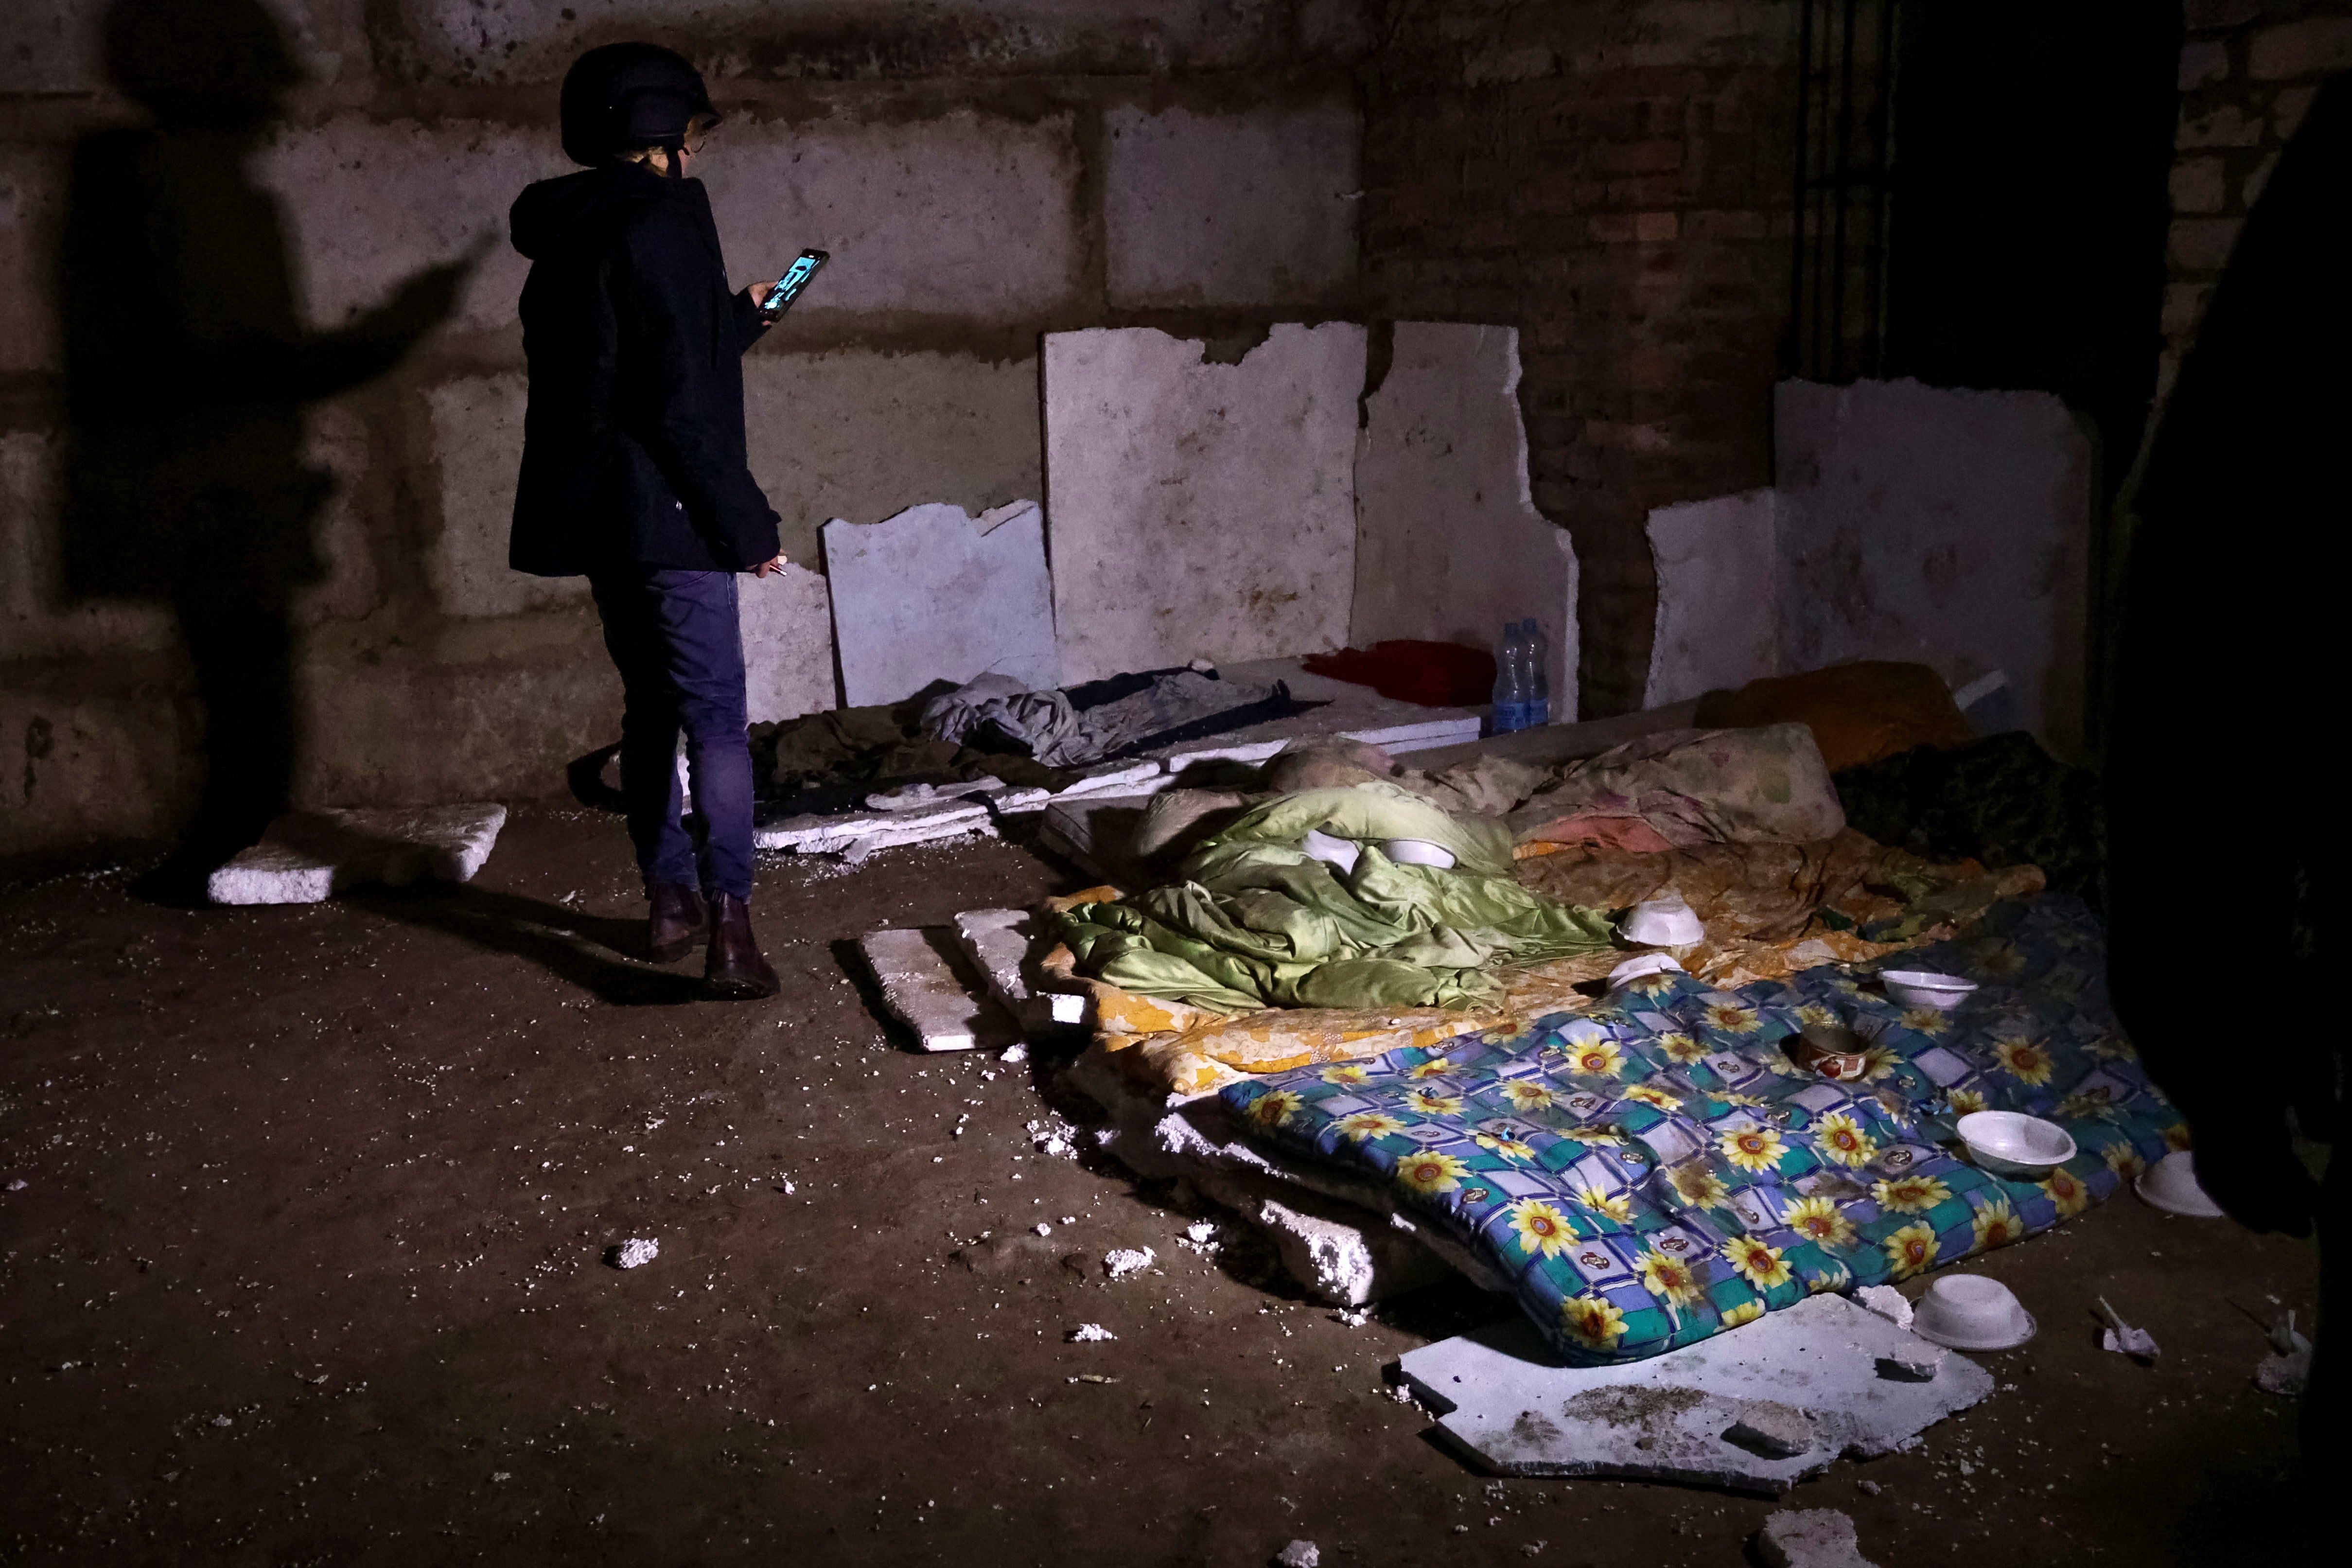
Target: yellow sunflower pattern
{"x": 1592, "y": 1322}
{"x": 1512, "y": 1148}
{"x": 1596, "y": 1058}
{"x": 2067, "y": 1194}
{"x": 1616, "y": 1205}
{"x": 1752, "y": 1148}
{"x": 1698, "y": 1186}
{"x": 1428, "y": 1172}
{"x": 1364, "y": 1125}
{"x": 1821, "y": 1221}
{"x": 1996, "y": 1225}
{"x": 2027, "y": 1061}
{"x": 1761, "y": 1266}
{"x": 1275, "y": 1109}
{"x": 1839, "y": 1138}
{"x": 1540, "y": 1228}
{"x": 1680, "y": 1049}
{"x": 1911, "y": 1250}
{"x": 1910, "y": 1194}
{"x": 1669, "y": 1279}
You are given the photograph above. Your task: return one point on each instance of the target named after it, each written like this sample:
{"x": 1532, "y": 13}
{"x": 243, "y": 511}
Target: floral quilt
{"x": 1655, "y": 1171}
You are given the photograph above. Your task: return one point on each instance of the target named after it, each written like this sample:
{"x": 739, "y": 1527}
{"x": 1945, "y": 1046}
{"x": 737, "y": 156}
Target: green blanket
{"x": 1254, "y": 922}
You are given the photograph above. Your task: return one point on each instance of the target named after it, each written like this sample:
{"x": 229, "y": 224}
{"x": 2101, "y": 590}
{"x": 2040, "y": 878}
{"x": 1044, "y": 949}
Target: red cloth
{"x": 1433, "y": 674}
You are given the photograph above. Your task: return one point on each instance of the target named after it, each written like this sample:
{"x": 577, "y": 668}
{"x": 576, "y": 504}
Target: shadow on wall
{"x": 186, "y": 370}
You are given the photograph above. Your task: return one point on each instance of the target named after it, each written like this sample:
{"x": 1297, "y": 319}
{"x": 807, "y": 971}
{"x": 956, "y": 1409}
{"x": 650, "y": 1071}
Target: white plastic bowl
{"x": 2171, "y": 1184}
{"x": 1971, "y": 1313}
{"x": 1664, "y": 922}
{"x": 2010, "y": 1144}
{"x": 1926, "y": 988}
{"x": 1337, "y": 852}
{"x": 1417, "y": 852}
{"x": 1642, "y": 964}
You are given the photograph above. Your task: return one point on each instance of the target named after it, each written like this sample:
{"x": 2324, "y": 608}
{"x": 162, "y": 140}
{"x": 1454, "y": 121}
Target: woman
{"x": 634, "y": 474}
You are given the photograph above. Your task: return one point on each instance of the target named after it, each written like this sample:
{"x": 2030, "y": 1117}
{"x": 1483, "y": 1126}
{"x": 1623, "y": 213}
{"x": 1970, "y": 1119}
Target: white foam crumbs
{"x": 1044, "y": 1229}
{"x": 635, "y": 1253}
{"x": 1120, "y": 1262}
{"x": 1200, "y": 1236}
{"x": 1053, "y": 1137}
{"x": 1017, "y": 1054}
{"x": 1088, "y": 1333}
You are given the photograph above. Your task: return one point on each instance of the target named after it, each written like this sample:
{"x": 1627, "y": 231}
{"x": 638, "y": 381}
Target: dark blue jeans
{"x": 675, "y": 638}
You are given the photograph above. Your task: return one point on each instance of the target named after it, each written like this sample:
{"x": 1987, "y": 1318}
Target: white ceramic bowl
{"x": 2010, "y": 1144}
{"x": 1664, "y": 922}
{"x": 1926, "y": 988}
{"x": 1417, "y": 852}
{"x": 1642, "y": 964}
{"x": 1971, "y": 1313}
{"x": 1337, "y": 852}
{"x": 2171, "y": 1184}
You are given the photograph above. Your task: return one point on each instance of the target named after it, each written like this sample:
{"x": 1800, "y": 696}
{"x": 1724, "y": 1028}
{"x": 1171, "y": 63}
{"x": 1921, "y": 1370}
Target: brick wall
{"x": 981, "y": 173}
{"x": 1615, "y": 180}
{"x": 2248, "y": 70}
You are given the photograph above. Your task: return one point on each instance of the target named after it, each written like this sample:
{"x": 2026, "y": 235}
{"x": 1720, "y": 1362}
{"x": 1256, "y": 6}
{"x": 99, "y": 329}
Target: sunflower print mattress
{"x": 1655, "y": 1171}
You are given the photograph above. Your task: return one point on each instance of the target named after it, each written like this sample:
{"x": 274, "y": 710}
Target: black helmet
{"x": 625, "y": 96}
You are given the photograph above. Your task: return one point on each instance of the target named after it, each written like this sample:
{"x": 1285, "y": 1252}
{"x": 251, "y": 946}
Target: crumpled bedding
{"x": 1656, "y": 1172}
{"x": 1071, "y": 729}
{"x": 1673, "y": 789}
{"x": 1750, "y": 897}
{"x": 1252, "y": 921}
{"x": 1772, "y": 892}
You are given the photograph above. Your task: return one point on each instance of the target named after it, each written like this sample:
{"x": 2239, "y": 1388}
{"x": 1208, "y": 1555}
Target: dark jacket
{"x": 632, "y": 447}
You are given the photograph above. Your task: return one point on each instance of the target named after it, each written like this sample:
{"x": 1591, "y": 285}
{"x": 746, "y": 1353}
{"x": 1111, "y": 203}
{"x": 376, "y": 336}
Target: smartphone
{"x": 795, "y": 279}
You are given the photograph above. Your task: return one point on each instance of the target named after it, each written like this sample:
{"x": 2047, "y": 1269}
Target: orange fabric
{"x": 1631, "y": 834}
{"x": 1858, "y": 713}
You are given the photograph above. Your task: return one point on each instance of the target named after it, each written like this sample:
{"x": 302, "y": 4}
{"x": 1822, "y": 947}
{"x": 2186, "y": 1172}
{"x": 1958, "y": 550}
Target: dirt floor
{"x": 301, "y": 1262}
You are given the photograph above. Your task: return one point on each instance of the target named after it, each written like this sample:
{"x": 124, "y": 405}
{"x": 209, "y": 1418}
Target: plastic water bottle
{"x": 1536, "y": 649}
{"x": 1511, "y": 693}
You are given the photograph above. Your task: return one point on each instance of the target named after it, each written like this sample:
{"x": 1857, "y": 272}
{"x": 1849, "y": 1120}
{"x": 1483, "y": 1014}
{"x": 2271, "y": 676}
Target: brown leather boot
{"x": 678, "y": 920}
{"x": 734, "y": 968}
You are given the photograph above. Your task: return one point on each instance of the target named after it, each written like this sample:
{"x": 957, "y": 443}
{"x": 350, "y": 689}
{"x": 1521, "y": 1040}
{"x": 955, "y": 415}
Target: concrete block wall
{"x": 982, "y": 171}
{"x": 1614, "y": 182}
{"x": 2248, "y": 71}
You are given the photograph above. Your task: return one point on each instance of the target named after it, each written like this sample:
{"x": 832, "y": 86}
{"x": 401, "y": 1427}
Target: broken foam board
{"x": 1449, "y": 544}
{"x": 1945, "y": 525}
{"x": 998, "y": 942}
{"x": 935, "y": 593}
{"x": 825, "y": 835}
{"x": 1810, "y": 1538}
{"x": 308, "y": 856}
{"x": 1200, "y": 510}
{"x": 921, "y": 989}
{"x": 1718, "y": 616}
{"x": 787, "y": 619}
{"x": 1511, "y": 1406}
